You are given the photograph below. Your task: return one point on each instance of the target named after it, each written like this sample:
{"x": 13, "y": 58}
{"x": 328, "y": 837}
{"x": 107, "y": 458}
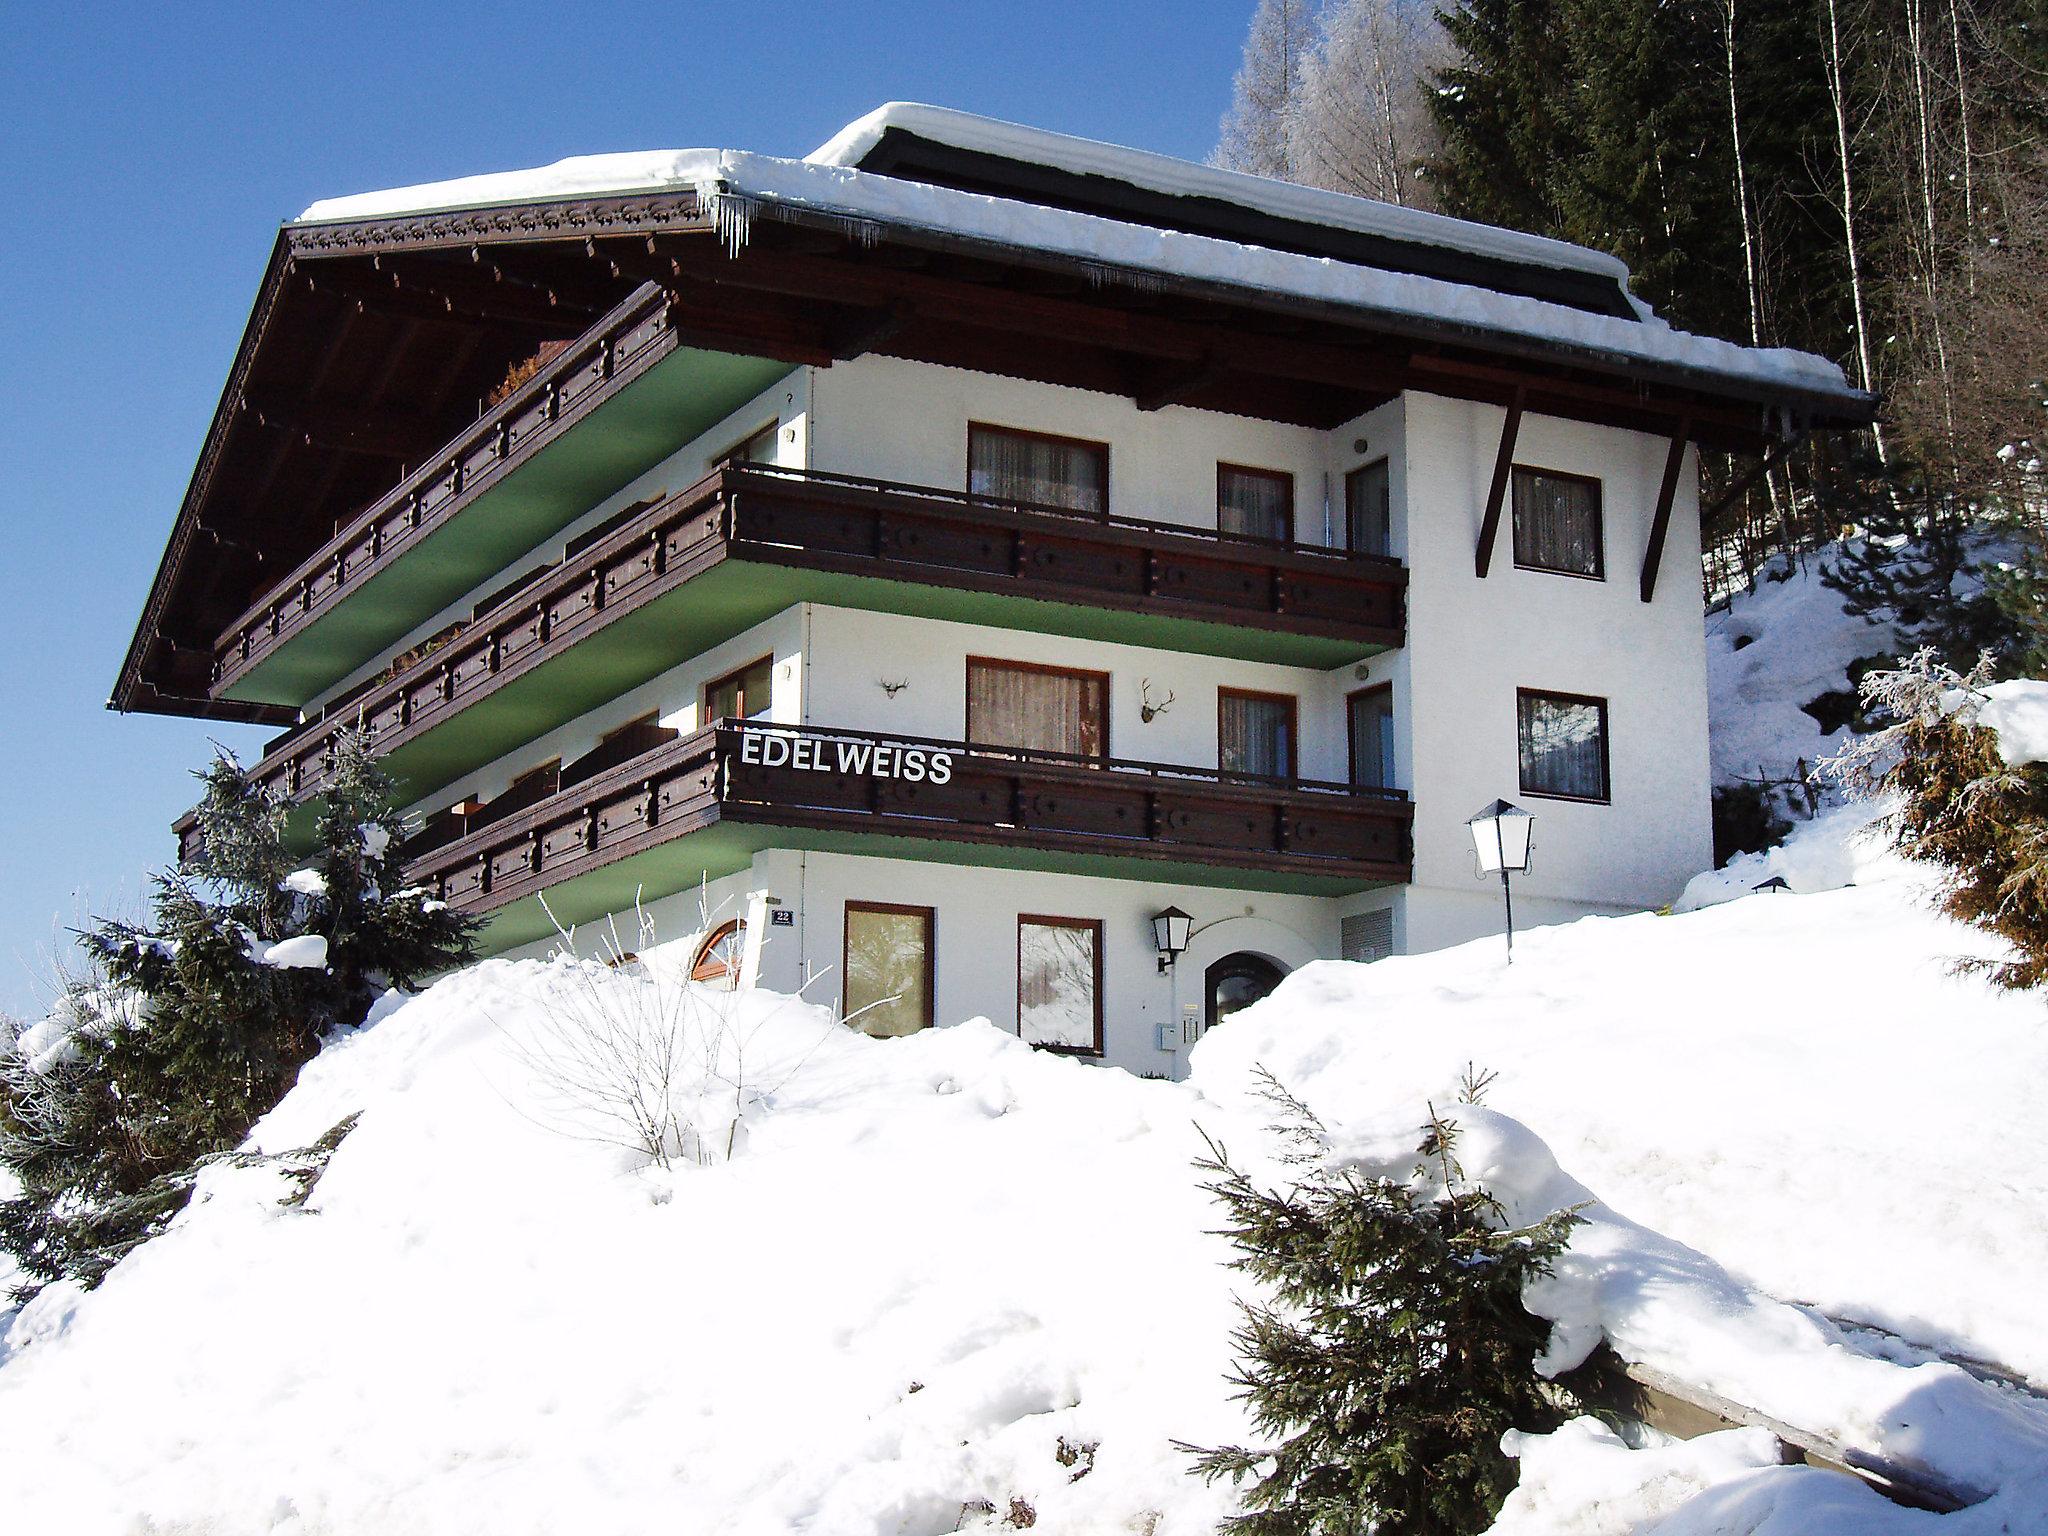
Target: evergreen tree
{"x": 195, "y": 1026}
{"x": 1501, "y": 111}
{"x": 1395, "y": 1350}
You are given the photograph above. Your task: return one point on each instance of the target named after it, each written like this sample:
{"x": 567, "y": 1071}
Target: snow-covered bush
{"x": 1971, "y": 800}
{"x": 188, "y": 1030}
{"x": 1395, "y": 1350}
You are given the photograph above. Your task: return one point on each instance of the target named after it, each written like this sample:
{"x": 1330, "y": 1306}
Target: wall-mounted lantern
{"x": 1500, "y": 836}
{"x": 1170, "y": 930}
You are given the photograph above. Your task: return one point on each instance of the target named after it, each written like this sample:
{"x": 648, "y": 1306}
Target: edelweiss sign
{"x": 775, "y": 749}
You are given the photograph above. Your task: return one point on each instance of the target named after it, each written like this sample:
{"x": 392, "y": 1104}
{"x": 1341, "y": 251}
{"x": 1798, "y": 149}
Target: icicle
{"x": 732, "y": 215}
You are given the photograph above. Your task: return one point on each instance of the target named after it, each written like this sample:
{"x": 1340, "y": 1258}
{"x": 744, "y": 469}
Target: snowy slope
{"x": 935, "y": 1260}
{"x": 1772, "y": 651}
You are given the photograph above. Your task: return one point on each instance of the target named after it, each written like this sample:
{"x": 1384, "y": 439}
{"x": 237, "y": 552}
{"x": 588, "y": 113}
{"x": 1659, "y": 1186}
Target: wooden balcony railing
{"x": 905, "y": 533}
{"x": 809, "y": 778}
{"x": 619, "y": 349}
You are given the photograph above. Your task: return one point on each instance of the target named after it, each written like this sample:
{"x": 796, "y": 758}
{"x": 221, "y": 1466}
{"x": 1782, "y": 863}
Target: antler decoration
{"x": 1147, "y": 710}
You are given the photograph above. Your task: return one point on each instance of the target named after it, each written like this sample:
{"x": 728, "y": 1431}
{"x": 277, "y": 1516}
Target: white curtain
{"x": 1254, "y": 501}
{"x": 887, "y": 963}
{"x": 1557, "y": 523}
{"x": 1564, "y": 747}
{"x": 1257, "y": 735}
{"x": 1022, "y": 468}
{"x": 1040, "y": 711}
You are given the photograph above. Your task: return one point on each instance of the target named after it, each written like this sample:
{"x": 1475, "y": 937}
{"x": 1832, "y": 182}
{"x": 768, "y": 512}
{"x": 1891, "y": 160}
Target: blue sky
{"x": 148, "y": 156}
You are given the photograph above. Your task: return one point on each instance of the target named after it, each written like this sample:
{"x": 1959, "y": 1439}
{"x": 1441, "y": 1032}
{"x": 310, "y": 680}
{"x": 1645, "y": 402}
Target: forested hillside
{"x": 1865, "y": 179}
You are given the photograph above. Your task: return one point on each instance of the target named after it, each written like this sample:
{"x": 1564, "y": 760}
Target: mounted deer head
{"x": 1147, "y": 710}
{"x": 892, "y": 689}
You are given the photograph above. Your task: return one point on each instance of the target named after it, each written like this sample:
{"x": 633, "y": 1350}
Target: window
{"x": 718, "y": 957}
{"x": 1259, "y": 502}
{"x": 1039, "y": 709}
{"x": 1369, "y": 510}
{"x": 1029, "y": 466}
{"x": 1371, "y": 724}
{"x": 1059, "y": 983}
{"x": 1557, "y": 523}
{"x": 1563, "y": 744}
{"x": 888, "y": 967}
{"x": 1255, "y": 733}
{"x": 741, "y": 695}
{"x": 758, "y": 449}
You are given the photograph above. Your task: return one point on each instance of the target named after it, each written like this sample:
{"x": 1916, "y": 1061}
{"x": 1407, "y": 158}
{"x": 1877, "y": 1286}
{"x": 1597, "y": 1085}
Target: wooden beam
{"x": 1779, "y": 452}
{"x": 404, "y": 436}
{"x": 1174, "y": 383}
{"x": 376, "y": 292}
{"x": 1660, "y": 523}
{"x": 865, "y": 329}
{"x": 1496, "y": 493}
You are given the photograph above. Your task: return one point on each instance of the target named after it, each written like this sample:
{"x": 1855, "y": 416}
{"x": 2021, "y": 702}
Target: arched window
{"x": 718, "y": 957}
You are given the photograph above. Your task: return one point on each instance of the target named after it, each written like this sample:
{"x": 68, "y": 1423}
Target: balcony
{"x": 701, "y": 805}
{"x": 613, "y": 404}
{"x": 676, "y": 576}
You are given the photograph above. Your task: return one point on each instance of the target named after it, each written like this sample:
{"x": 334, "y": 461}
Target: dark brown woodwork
{"x": 392, "y": 435}
{"x": 440, "y": 297}
{"x": 1660, "y": 520}
{"x": 811, "y": 521}
{"x": 634, "y": 337}
{"x": 1144, "y": 811}
{"x": 1496, "y": 493}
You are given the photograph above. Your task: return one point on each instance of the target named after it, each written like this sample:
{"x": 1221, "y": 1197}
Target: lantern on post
{"x": 1170, "y": 930}
{"x": 1500, "y": 836}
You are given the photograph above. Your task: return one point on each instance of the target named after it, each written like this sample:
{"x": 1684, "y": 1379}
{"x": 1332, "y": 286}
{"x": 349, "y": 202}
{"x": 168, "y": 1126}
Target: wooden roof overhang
{"x": 373, "y": 342}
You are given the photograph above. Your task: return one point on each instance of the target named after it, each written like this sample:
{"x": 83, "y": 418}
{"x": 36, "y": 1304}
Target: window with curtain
{"x": 1369, "y": 510}
{"x": 1039, "y": 709}
{"x": 1255, "y": 733}
{"x": 1372, "y": 738}
{"x": 888, "y": 968}
{"x": 1026, "y": 466}
{"x": 1563, "y": 745}
{"x": 741, "y": 695}
{"x": 1258, "y": 502}
{"x": 1059, "y": 983}
{"x": 1557, "y": 523}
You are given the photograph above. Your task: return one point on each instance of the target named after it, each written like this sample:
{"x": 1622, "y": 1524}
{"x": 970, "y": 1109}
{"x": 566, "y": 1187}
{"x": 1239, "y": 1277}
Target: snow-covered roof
{"x": 733, "y": 184}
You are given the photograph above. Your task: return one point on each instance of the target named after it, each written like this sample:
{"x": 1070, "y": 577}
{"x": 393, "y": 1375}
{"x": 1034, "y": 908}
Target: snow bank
{"x": 1770, "y": 653}
{"x": 1844, "y": 845}
{"x": 2018, "y": 712}
{"x": 948, "y": 1272}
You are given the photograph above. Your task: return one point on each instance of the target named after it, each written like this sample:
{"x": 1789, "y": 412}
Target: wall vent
{"x": 1369, "y": 935}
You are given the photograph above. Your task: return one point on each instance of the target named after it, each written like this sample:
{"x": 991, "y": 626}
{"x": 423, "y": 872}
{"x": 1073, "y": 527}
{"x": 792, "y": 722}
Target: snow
{"x": 935, "y": 1261}
{"x": 306, "y": 952}
{"x": 735, "y": 183}
{"x": 1772, "y": 651}
{"x": 2018, "y": 712}
{"x": 306, "y": 882}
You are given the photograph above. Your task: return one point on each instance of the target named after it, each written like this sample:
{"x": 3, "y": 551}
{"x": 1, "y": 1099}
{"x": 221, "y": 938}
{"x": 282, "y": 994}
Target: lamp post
{"x": 1170, "y": 930}
{"x": 1500, "y": 836}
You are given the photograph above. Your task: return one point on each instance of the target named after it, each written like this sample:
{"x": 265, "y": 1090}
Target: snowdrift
{"x": 947, "y": 1282}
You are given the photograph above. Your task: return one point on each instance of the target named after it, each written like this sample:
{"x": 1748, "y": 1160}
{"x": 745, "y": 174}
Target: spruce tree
{"x": 190, "y": 1029}
{"x": 1500, "y": 106}
{"x": 1393, "y": 1350}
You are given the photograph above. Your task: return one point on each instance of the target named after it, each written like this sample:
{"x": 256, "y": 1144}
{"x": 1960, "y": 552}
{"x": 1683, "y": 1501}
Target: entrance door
{"x": 1237, "y": 981}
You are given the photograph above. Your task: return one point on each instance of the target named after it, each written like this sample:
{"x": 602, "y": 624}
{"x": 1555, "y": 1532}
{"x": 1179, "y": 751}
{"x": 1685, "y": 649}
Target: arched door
{"x": 1237, "y": 981}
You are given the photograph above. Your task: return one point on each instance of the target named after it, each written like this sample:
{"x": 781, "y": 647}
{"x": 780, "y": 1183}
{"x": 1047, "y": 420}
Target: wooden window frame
{"x": 1344, "y": 543}
{"x": 1606, "y": 763}
{"x": 733, "y": 925}
{"x": 1043, "y": 668}
{"x": 1044, "y": 920}
{"x": 1293, "y": 703}
{"x": 1285, "y": 476}
{"x": 1351, "y": 740}
{"x": 1599, "y": 523}
{"x": 711, "y": 687}
{"x": 931, "y": 948}
{"x": 1031, "y": 435}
